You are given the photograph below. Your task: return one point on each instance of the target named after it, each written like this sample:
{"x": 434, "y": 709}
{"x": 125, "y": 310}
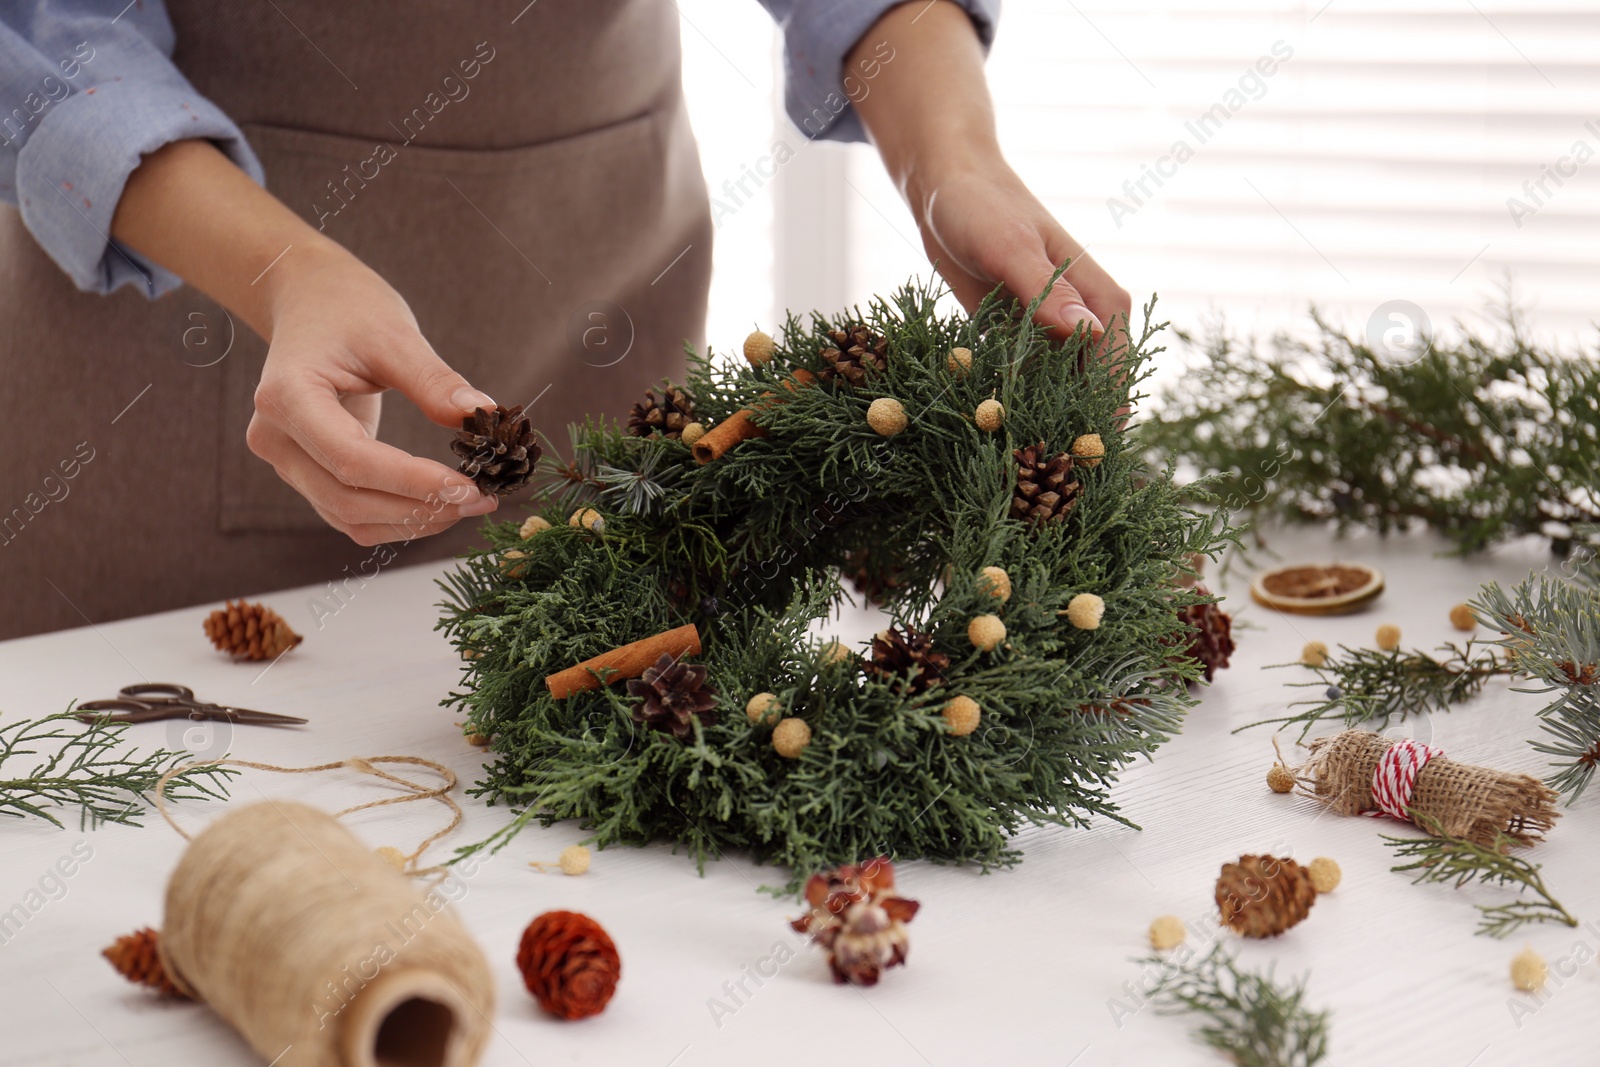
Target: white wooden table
{"x": 1031, "y": 965}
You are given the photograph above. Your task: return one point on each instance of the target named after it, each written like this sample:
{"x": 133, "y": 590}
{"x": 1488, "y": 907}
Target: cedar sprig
{"x": 1249, "y": 1017}
{"x": 83, "y": 765}
{"x": 1383, "y": 687}
{"x": 1443, "y": 858}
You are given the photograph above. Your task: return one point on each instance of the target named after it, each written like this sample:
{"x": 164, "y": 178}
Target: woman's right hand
{"x": 339, "y": 337}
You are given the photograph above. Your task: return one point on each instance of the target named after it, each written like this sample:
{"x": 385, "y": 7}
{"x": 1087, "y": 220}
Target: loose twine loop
{"x": 417, "y": 791}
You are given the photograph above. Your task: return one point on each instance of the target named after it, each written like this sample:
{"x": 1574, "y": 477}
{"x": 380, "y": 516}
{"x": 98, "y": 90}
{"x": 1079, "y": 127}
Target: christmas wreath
{"x": 641, "y": 653}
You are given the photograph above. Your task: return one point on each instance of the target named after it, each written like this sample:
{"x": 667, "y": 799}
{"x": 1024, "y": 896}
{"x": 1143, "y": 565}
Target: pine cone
{"x": 1211, "y": 637}
{"x": 854, "y": 350}
{"x": 909, "y": 657}
{"x": 874, "y": 585}
{"x": 1262, "y": 896}
{"x": 569, "y": 964}
{"x": 1046, "y": 489}
{"x": 856, "y": 916}
{"x": 497, "y": 448}
{"x": 673, "y": 694}
{"x": 250, "y": 631}
{"x": 136, "y": 958}
{"x": 667, "y": 416}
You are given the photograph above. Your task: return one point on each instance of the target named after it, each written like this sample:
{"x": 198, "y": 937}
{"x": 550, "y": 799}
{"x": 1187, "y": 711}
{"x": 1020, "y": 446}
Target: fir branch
{"x": 82, "y": 765}
{"x": 1250, "y": 1018}
{"x": 1442, "y": 858}
{"x": 1380, "y": 687}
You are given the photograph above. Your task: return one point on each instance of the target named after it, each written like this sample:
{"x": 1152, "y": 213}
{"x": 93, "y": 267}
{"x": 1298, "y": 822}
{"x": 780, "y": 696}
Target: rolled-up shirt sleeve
{"x": 818, "y": 35}
{"x": 87, "y": 89}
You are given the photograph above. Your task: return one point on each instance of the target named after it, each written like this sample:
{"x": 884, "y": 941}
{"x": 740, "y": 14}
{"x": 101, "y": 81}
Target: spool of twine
{"x": 1466, "y": 801}
{"x": 318, "y": 951}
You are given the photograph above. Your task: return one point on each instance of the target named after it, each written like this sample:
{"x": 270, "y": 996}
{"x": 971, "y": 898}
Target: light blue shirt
{"x": 87, "y": 88}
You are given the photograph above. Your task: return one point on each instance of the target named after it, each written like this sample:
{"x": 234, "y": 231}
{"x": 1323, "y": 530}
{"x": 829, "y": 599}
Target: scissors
{"x": 150, "y": 701}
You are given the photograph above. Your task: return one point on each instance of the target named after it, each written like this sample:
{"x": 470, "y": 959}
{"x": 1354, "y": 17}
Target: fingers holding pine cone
{"x": 250, "y": 631}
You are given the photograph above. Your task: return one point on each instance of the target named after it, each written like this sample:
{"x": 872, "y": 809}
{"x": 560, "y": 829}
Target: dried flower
{"x": 857, "y": 917}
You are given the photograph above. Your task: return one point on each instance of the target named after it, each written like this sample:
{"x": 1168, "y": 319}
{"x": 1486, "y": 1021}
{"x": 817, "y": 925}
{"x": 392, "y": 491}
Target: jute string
{"x": 1476, "y": 803}
{"x": 315, "y": 948}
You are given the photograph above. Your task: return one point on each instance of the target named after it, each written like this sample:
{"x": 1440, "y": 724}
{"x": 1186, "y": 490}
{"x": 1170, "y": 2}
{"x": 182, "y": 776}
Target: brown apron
{"x": 523, "y": 174}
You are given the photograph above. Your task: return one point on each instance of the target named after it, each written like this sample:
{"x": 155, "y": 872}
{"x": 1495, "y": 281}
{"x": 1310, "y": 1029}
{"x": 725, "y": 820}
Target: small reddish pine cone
{"x": 136, "y": 957}
{"x": 856, "y": 916}
{"x": 569, "y": 964}
{"x": 1262, "y": 896}
{"x": 1210, "y": 634}
{"x": 250, "y": 631}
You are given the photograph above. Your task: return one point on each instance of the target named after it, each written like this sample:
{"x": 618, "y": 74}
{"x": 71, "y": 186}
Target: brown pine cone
{"x": 875, "y": 585}
{"x": 1262, "y": 896}
{"x": 569, "y": 964}
{"x": 250, "y": 631}
{"x": 498, "y": 449}
{"x": 855, "y": 349}
{"x": 135, "y": 957}
{"x": 1046, "y": 489}
{"x": 672, "y": 695}
{"x": 667, "y": 416}
{"x": 908, "y": 656}
{"x": 1211, "y": 634}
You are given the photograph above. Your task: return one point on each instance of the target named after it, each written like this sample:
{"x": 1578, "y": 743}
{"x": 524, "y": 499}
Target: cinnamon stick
{"x": 629, "y": 661}
{"x": 740, "y": 426}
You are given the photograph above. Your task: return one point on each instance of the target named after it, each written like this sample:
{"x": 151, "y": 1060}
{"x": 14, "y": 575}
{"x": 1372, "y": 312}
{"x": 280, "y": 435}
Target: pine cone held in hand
{"x": 667, "y": 416}
{"x": 137, "y": 959}
{"x": 1262, "y": 896}
{"x": 672, "y": 694}
{"x": 857, "y": 917}
{"x": 569, "y": 964}
{"x": 909, "y": 657}
{"x": 250, "y": 631}
{"x": 1211, "y": 640}
{"x": 1046, "y": 489}
{"x": 497, "y": 448}
{"x": 854, "y": 350}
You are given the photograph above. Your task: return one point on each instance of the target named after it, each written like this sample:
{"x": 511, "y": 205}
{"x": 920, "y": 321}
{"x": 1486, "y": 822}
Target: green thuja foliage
{"x": 749, "y": 547}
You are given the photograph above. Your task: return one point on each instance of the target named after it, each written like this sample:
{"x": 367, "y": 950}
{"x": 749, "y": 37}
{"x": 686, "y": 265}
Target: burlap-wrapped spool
{"x": 318, "y": 951}
{"x": 1475, "y": 803}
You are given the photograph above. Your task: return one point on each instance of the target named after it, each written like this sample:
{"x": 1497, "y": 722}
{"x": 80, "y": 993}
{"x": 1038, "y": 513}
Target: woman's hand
{"x": 916, "y": 79}
{"x": 338, "y": 336}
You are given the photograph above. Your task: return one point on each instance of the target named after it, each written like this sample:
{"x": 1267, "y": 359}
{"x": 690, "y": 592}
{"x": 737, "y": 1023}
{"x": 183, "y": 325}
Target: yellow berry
{"x": 1528, "y": 971}
{"x": 513, "y": 570}
{"x": 996, "y": 582}
{"x": 1315, "y": 654}
{"x": 1388, "y": 637}
{"x": 985, "y": 632}
{"x": 1088, "y": 450}
{"x": 533, "y": 524}
{"x": 836, "y": 652}
{"x": 588, "y": 519}
{"x": 1280, "y": 779}
{"x": 478, "y": 740}
{"x": 1167, "y": 932}
{"x": 1325, "y": 874}
{"x": 574, "y": 859}
{"x": 763, "y": 708}
{"x": 790, "y": 737}
{"x": 393, "y": 856}
{"x": 758, "y": 348}
{"x": 1461, "y": 618}
{"x": 1085, "y": 611}
{"x": 961, "y": 715}
{"x": 692, "y": 433}
{"x": 959, "y": 361}
{"x": 886, "y": 415}
{"x": 989, "y": 416}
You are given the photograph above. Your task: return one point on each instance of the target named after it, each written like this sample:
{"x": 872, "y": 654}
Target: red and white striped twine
{"x": 1396, "y": 776}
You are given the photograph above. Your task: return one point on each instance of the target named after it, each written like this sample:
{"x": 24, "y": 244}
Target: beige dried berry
{"x": 588, "y": 519}
{"x": 533, "y": 524}
{"x": 989, "y": 416}
{"x": 1088, "y": 450}
{"x": 790, "y": 738}
{"x": 986, "y": 632}
{"x": 513, "y": 570}
{"x": 1280, "y": 779}
{"x": 1462, "y": 618}
{"x": 763, "y": 708}
{"x": 1325, "y": 874}
{"x": 1085, "y": 611}
{"x": 886, "y": 415}
{"x": 1388, "y": 637}
{"x": 1314, "y": 654}
{"x": 961, "y": 715}
{"x": 959, "y": 361}
{"x": 692, "y": 433}
{"x": 574, "y": 860}
{"x": 392, "y": 856}
{"x": 836, "y": 652}
{"x": 996, "y": 582}
{"x": 1528, "y": 971}
{"x": 1167, "y": 932}
{"x": 758, "y": 348}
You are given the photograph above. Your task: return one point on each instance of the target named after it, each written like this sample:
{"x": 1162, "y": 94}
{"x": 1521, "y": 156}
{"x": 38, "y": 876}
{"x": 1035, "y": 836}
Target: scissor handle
{"x": 179, "y": 694}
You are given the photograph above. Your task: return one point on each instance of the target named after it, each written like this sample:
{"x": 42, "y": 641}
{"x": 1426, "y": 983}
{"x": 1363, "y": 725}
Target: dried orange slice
{"x": 1317, "y": 588}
